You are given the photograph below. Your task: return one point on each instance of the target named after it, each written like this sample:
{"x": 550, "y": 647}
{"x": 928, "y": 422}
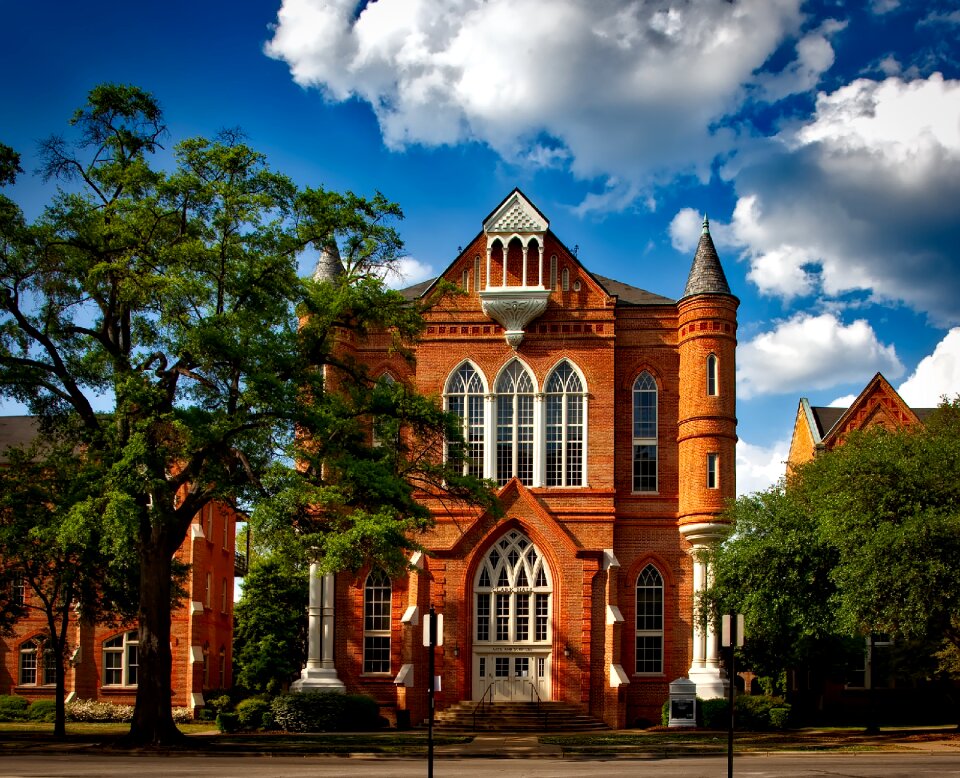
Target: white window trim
{"x": 541, "y": 437}
{"x": 129, "y": 639}
{"x": 378, "y": 633}
{"x": 713, "y": 470}
{"x": 713, "y": 375}
{"x": 538, "y": 433}
{"x": 465, "y": 419}
{"x": 652, "y": 441}
{"x": 661, "y": 633}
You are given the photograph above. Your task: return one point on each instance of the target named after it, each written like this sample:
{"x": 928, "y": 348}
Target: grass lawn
{"x": 84, "y": 728}
{"x": 24, "y": 735}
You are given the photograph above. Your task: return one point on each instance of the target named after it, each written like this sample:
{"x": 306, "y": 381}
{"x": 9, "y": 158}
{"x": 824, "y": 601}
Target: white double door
{"x": 511, "y": 676}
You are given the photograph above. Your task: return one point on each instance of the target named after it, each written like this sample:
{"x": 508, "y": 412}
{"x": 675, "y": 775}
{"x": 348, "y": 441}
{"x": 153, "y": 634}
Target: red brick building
{"x": 822, "y": 428}
{"x": 103, "y": 664}
{"x": 607, "y": 416}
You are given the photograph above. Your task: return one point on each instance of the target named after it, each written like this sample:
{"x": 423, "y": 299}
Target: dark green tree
{"x": 863, "y": 539}
{"x": 174, "y": 298}
{"x": 270, "y": 638}
{"x": 54, "y": 540}
{"x": 889, "y": 503}
{"x": 777, "y": 570}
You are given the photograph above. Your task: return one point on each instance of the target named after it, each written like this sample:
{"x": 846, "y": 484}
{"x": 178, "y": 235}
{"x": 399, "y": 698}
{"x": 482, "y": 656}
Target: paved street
{"x": 820, "y": 765}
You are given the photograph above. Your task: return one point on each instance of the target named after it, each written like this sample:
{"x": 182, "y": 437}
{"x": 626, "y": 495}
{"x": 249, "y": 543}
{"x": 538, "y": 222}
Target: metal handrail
{"x": 481, "y": 704}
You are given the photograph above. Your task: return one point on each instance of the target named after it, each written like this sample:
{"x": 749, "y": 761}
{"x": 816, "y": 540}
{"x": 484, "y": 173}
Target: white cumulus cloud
{"x": 862, "y": 197}
{"x": 759, "y": 467}
{"x": 635, "y": 90}
{"x": 937, "y": 376}
{"x": 809, "y": 352}
{"x": 407, "y": 271}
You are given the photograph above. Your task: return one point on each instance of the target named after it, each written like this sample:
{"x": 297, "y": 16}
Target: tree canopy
{"x": 157, "y": 318}
{"x": 863, "y": 539}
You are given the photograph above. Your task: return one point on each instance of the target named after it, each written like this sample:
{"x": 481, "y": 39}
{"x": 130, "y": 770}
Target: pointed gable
{"x": 878, "y": 404}
{"x": 516, "y": 215}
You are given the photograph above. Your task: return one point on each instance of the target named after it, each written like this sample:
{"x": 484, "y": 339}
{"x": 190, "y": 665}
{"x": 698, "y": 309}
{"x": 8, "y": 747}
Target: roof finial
{"x": 706, "y": 225}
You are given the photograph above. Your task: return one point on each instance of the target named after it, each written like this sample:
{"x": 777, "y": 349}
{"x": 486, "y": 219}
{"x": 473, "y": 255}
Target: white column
{"x": 486, "y": 282}
{"x": 320, "y": 674}
{"x": 327, "y": 617}
{"x": 711, "y": 660}
{"x": 524, "y": 273}
{"x": 503, "y": 247}
{"x": 698, "y": 636}
{"x": 315, "y": 619}
{"x": 705, "y": 669}
{"x": 540, "y": 275}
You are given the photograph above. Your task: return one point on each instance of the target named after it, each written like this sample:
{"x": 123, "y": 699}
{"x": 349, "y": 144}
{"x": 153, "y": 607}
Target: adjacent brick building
{"x": 103, "y": 664}
{"x": 606, "y": 414}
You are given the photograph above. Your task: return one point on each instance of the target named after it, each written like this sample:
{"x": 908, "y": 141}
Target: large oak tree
{"x": 157, "y": 317}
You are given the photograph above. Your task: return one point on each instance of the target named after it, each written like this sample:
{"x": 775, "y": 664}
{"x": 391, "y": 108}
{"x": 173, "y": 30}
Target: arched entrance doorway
{"x": 513, "y": 622}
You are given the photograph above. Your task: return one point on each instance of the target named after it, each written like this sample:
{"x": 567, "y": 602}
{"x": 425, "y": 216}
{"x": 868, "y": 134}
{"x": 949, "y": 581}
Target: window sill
{"x": 649, "y": 676}
{"x": 377, "y": 675}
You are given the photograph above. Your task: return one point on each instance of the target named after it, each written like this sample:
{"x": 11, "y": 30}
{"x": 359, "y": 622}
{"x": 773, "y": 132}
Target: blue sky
{"x": 822, "y": 138}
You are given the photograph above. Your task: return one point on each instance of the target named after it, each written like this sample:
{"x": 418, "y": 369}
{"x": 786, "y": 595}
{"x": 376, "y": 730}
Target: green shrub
{"x": 13, "y": 707}
{"x": 780, "y": 717}
{"x": 665, "y": 714}
{"x": 207, "y": 715}
{"x": 251, "y": 712}
{"x": 325, "y": 712}
{"x": 220, "y": 703}
{"x": 715, "y": 713}
{"x": 228, "y": 722}
{"x": 42, "y": 710}
{"x": 753, "y": 713}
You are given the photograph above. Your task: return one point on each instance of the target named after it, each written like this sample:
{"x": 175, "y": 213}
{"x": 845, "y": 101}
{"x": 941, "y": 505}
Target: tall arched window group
{"x": 515, "y": 431}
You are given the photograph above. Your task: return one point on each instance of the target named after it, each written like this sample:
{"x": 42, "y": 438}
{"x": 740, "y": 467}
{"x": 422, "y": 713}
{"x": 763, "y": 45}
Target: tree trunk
{"x": 153, "y": 716}
{"x": 60, "y": 717}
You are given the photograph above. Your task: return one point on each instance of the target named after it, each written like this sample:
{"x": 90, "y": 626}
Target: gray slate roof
{"x": 706, "y": 274}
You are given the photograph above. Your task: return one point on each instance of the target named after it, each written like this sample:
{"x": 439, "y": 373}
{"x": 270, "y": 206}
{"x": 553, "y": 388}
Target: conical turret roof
{"x": 706, "y": 273}
{"x": 329, "y": 267}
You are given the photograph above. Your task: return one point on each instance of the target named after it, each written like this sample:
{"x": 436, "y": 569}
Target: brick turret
{"x": 706, "y": 435}
{"x": 707, "y": 424}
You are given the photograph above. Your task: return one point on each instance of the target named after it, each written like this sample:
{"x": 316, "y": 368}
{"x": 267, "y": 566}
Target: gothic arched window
{"x": 564, "y": 427}
{"x": 465, "y": 399}
{"x": 649, "y": 621}
{"x": 645, "y": 433}
{"x": 377, "y": 593}
{"x": 515, "y": 425}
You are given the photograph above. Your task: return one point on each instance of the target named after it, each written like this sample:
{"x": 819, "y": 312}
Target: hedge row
{"x": 753, "y": 713}
{"x": 16, "y": 708}
{"x": 306, "y": 712}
